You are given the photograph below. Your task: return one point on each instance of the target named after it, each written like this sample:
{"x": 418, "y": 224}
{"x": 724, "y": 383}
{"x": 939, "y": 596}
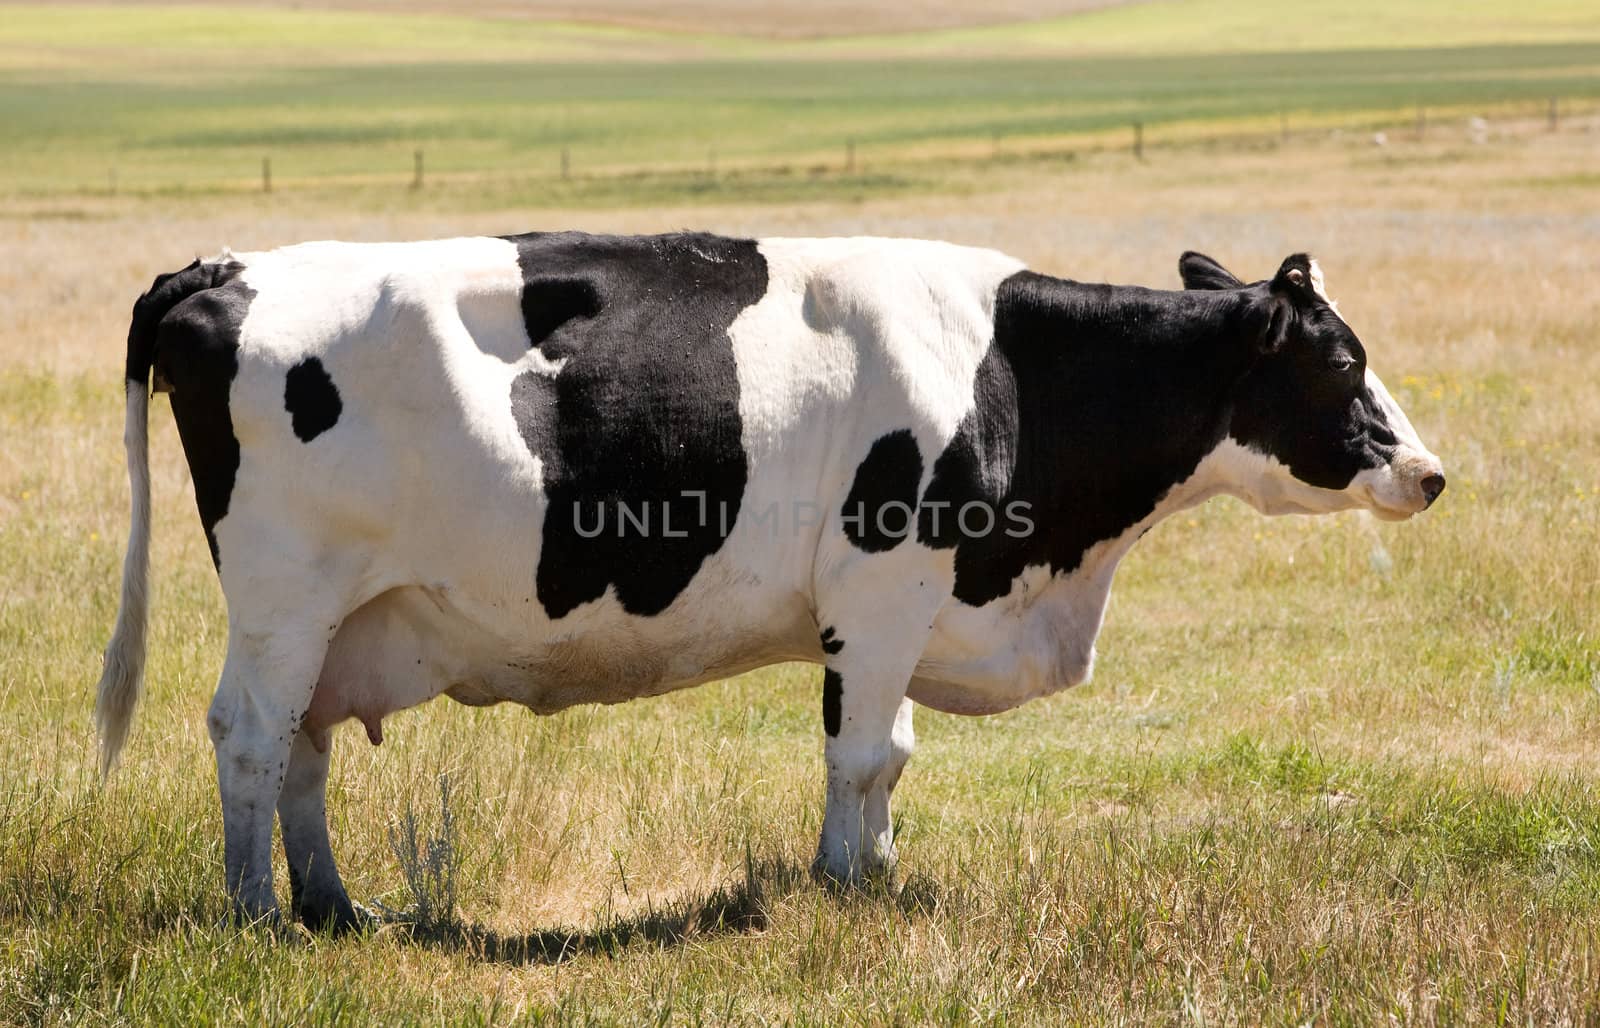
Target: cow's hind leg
{"x": 266, "y": 686}
{"x": 318, "y": 897}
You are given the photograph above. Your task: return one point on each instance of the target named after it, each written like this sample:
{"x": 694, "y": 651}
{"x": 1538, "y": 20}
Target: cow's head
{"x": 1315, "y": 429}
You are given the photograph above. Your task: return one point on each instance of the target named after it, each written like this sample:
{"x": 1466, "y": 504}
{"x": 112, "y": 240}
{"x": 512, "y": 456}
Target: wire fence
{"x": 1142, "y": 140}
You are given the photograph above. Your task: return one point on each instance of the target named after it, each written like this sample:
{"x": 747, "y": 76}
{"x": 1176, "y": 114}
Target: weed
{"x": 429, "y": 865}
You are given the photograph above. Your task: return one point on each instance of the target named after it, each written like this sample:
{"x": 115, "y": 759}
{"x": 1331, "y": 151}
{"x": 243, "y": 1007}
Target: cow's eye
{"x": 1341, "y": 362}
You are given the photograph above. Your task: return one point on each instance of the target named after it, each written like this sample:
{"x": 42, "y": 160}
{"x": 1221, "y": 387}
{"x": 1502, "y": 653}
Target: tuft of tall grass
{"x": 428, "y": 858}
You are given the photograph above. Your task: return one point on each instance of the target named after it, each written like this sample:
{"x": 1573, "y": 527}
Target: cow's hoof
{"x": 335, "y": 915}
{"x": 832, "y": 878}
{"x": 882, "y": 870}
{"x": 854, "y": 879}
{"x": 867, "y": 876}
{"x": 268, "y": 920}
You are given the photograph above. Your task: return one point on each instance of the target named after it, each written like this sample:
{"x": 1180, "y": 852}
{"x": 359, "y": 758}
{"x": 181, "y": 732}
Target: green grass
{"x": 1181, "y": 27}
{"x": 79, "y": 35}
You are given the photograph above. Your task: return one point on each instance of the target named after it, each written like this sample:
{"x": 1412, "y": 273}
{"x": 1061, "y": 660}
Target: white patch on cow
{"x": 896, "y": 327}
{"x": 1398, "y": 423}
{"x": 1320, "y": 287}
{"x": 1395, "y": 490}
{"x": 1268, "y": 485}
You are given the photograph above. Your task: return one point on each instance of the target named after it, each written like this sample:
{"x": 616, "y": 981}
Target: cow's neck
{"x": 1127, "y": 391}
{"x": 1091, "y": 404}
{"x": 1117, "y": 403}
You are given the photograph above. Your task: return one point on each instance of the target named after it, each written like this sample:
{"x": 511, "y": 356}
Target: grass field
{"x": 1328, "y": 770}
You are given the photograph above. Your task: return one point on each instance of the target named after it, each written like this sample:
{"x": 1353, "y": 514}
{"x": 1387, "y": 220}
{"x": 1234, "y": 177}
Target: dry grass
{"x": 1327, "y": 771}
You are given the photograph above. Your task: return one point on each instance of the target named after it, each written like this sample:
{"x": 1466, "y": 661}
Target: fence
{"x": 1139, "y": 139}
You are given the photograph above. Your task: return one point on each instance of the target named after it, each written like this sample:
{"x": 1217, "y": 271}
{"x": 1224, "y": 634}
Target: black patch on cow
{"x": 831, "y": 644}
{"x": 550, "y": 301}
{"x": 641, "y": 424}
{"x": 832, "y": 701}
{"x": 195, "y": 352}
{"x": 878, "y": 512}
{"x": 311, "y": 399}
{"x": 1090, "y": 404}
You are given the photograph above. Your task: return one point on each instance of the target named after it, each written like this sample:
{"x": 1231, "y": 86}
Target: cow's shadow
{"x": 738, "y": 908}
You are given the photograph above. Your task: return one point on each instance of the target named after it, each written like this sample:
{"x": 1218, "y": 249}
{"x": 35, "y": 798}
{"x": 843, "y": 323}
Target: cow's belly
{"x": 410, "y": 644}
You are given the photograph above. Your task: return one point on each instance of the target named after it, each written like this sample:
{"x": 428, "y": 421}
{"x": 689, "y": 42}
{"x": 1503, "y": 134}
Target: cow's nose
{"x": 1432, "y": 486}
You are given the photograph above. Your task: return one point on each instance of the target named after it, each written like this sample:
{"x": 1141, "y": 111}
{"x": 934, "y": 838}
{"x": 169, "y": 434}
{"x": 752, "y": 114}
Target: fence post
{"x": 1138, "y": 140}
{"x": 1555, "y": 114}
{"x": 416, "y": 176}
{"x": 266, "y": 174}
{"x": 566, "y": 163}
{"x": 850, "y": 155}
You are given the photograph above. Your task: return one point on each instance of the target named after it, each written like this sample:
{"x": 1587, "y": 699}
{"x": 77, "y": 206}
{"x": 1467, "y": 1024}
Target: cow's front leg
{"x": 867, "y": 722}
{"x": 877, "y": 821}
{"x": 255, "y": 717}
{"x": 318, "y": 897}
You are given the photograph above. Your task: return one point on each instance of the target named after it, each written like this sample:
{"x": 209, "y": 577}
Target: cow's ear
{"x": 1201, "y": 272}
{"x": 1293, "y": 280}
{"x": 1279, "y": 324}
{"x": 1269, "y": 319}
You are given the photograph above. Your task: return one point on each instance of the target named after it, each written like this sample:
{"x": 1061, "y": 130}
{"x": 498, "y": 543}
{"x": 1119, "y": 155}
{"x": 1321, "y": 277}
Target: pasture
{"x": 1327, "y": 770}
{"x": 184, "y": 101}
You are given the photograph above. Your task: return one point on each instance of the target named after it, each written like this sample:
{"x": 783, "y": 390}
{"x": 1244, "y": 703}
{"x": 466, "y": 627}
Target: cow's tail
{"x": 123, "y": 675}
{"x": 122, "y": 678}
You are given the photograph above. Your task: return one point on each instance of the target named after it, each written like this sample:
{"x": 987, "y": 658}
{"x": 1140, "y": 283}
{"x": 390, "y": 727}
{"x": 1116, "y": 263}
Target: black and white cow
{"x": 560, "y": 468}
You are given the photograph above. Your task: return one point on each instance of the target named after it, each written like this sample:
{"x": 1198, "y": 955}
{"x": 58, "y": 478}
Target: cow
{"x": 560, "y": 468}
